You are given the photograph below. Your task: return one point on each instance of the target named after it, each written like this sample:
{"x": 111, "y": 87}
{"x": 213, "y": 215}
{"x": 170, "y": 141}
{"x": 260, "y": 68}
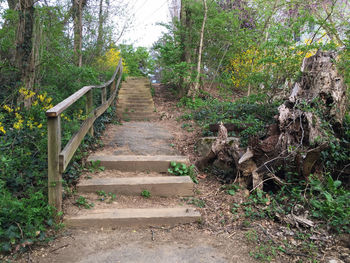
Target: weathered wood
{"x": 58, "y": 161}
{"x": 89, "y": 108}
{"x": 230, "y": 127}
{"x": 66, "y": 155}
{"x": 59, "y": 108}
{"x": 103, "y": 95}
{"x": 216, "y": 147}
{"x": 54, "y": 175}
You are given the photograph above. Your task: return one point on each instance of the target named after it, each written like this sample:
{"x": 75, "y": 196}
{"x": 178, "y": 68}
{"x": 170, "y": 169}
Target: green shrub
{"x": 24, "y": 211}
{"x": 252, "y": 114}
{"x": 326, "y": 200}
{"x": 181, "y": 169}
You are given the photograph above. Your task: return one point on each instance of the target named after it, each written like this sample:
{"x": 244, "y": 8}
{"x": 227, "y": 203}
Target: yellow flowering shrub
{"x": 27, "y": 94}
{"x": 7, "y": 108}
{"x": 242, "y": 65}
{"x": 110, "y": 60}
{"x": 2, "y": 129}
{"x": 14, "y": 119}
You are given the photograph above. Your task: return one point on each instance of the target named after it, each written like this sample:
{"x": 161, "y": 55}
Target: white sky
{"x": 147, "y": 13}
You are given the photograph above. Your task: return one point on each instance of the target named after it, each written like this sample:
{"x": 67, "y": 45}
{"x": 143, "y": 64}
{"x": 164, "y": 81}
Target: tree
{"x": 100, "y": 29}
{"x": 78, "y": 6}
{"x": 193, "y": 91}
{"x": 24, "y": 56}
{"x": 138, "y": 61}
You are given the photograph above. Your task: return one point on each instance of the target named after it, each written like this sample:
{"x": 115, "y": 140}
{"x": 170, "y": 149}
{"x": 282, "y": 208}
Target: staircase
{"x": 135, "y": 102}
{"x": 136, "y": 157}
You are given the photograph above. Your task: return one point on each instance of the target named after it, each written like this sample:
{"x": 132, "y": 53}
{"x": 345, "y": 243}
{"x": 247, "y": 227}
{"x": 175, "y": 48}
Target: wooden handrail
{"x": 60, "y": 107}
{"x": 58, "y": 160}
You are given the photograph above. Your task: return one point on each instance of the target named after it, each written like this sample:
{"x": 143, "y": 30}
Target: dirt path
{"x": 217, "y": 238}
{"x": 140, "y": 246}
{"x": 221, "y": 236}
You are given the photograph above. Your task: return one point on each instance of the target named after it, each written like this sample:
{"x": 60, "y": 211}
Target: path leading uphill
{"x": 135, "y": 147}
{"x": 123, "y": 226}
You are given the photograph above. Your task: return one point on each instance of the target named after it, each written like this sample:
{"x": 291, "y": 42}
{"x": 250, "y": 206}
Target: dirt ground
{"x": 140, "y": 245}
{"x": 221, "y": 236}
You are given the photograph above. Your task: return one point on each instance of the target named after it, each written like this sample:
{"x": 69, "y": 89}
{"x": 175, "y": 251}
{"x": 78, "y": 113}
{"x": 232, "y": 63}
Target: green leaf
{"x": 231, "y": 192}
{"x": 328, "y": 196}
{"x": 337, "y": 183}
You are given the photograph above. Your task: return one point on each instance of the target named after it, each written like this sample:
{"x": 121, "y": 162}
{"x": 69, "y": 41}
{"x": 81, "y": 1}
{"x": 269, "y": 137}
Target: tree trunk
{"x": 78, "y": 31}
{"x": 185, "y": 36}
{"x": 100, "y": 30}
{"x": 194, "y": 90}
{"x": 24, "y": 58}
{"x": 12, "y": 4}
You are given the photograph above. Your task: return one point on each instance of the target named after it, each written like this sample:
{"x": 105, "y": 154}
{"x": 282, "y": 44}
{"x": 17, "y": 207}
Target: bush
{"x": 24, "y": 211}
{"x": 181, "y": 169}
{"x": 326, "y": 200}
{"x": 253, "y": 111}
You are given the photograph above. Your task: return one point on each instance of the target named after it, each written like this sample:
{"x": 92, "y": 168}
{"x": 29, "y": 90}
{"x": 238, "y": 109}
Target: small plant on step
{"x": 102, "y": 195}
{"x": 95, "y": 166}
{"x": 146, "y": 194}
{"x": 197, "y": 202}
{"x": 181, "y": 169}
{"x": 82, "y": 202}
{"x": 112, "y": 197}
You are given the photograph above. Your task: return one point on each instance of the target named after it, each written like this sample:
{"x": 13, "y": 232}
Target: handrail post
{"x": 103, "y": 95}
{"x": 54, "y": 175}
{"x": 89, "y": 108}
{"x": 113, "y": 87}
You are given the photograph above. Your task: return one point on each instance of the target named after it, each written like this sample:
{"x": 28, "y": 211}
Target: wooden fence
{"x": 58, "y": 159}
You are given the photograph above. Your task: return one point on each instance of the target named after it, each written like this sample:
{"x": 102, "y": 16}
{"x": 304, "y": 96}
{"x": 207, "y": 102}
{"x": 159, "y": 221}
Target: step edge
{"x": 122, "y": 181}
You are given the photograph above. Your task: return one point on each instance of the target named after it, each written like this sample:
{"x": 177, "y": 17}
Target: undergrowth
{"x": 250, "y": 114}
{"x": 25, "y": 215}
{"x": 181, "y": 169}
{"x": 324, "y": 200}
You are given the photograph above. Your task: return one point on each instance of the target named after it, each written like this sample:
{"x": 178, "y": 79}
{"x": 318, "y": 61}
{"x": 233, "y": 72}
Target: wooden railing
{"x": 58, "y": 159}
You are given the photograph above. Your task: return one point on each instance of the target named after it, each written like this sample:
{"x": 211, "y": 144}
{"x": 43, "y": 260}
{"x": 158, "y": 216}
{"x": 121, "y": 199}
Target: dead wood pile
{"x": 299, "y": 135}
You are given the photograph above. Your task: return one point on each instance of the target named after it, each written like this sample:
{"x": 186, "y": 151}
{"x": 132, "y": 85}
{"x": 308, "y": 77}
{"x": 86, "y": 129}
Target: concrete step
{"x": 145, "y": 103}
{"x": 127, "y": 93}
{"x": 134, "y": 110}
{"x": 135, "y": 96}
{"x": 158, "y": 186}
{"x": 128, "y": 217}
{"x": 138, "y": 109}
{"x": 131, "y": 163}
{"x": 137, "y": 113}
{"x": 135, "y": 118}
{"x": 135, "y": 104}
{"x": 145, "y": 100}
